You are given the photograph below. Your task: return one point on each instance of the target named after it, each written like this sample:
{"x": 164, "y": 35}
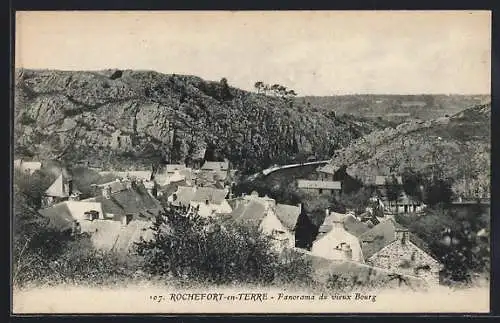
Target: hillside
{"x": 397, "y": 108}
{"x": 117, "y": 119}
{"x": 457, "y": 148}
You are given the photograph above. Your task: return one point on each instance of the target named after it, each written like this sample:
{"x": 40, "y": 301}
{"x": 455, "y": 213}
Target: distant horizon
{"x": 251, "y": 90}
{"x": 315, "y": 53}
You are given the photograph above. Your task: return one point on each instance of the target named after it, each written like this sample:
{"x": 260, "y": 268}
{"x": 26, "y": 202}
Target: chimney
{"x": 402, "y": 235}
{"x": 299, "y": 205}
{"x": 346, "y": 250}
{"x": 327, "y": 212}
{"x": 106, "y": 192}
{"x": 70, "y": 186}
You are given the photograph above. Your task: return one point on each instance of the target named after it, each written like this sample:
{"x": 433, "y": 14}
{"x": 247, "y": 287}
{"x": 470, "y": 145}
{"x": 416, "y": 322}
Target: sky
{"x": 312, "y": 52}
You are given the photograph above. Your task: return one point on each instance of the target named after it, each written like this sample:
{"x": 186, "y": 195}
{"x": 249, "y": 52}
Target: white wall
{"x": 78, "y": 209}
{"x": 326, "y": 245}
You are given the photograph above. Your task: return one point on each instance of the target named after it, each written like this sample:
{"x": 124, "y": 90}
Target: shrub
{"x": 206, "y": 250}
{"x": 453, "y": 237}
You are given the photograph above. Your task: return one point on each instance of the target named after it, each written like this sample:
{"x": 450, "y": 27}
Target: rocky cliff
{"x": 455, "y": 148}
{"x": 118, "y": 118}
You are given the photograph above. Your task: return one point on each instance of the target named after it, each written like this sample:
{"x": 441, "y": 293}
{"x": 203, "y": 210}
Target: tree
{"x": 438, "y": 191}
{"x": 225, "y": 93}
{"x": 259, "y": 86}
{"x": 455, "y": 239}
{"x": 393, "y": 190}
{"x": 412, "y": 183}
{"x": 207, "y": 250}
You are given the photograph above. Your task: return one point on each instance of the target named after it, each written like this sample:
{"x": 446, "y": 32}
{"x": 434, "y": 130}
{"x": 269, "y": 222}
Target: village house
{"x": 27, "y": 166}
{"x": 173, "y": 173}
{"x": 326, "y": 172}
{"x": 334, "y": 242}
{"x": 120, "y": 216}
{"x": 120, "y": 141}
{"x": 145, "y": 175}
{"x": 347, "y": 271}
{"x": 216, "y": 166}
{"x": 262, "y": 215}
{"x": 390, "y": 246}
{"x": 127, "y": 199}
{"x": 320, "y": 187}
{"x": 403, "y": 204}
{"x": 280, "y": 221}
{"x": 214, "y": 173}
{"x": 381, "y": 181}
{"x": 206, "y": 201}
{"x": 62, "y": 189}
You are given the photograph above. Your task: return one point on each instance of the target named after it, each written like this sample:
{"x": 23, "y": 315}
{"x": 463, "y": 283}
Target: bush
{"x": 204, "y": 250}
{"x": 453, "y": 237}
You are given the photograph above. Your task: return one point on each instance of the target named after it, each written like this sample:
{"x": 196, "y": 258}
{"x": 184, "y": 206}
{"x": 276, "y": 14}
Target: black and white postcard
{"x": 251, "y": 162}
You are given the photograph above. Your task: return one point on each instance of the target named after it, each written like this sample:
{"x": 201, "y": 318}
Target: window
{"x": 320, "y": 191}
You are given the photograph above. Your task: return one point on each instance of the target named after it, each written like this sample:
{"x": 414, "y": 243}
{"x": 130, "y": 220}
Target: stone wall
{"x": 406, "y": 258}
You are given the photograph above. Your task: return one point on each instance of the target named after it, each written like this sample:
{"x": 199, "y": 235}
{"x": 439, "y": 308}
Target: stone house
{"x": 320, "y": 187}
{"x": 120, "y": 141}
{"x": 390, "y": 246}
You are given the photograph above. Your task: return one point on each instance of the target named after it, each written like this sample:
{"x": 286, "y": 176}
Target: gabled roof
{"x": 131, "y": 201}
{"x": 354, "y": 226}
{"x": 250, "y": 214}
{"x": 115, "y": 186}
{"x": 59, "y": 216}
{"x": 58, "y": 188}
{"x": 328, "y": 169}
{"x": 213, "y": 195}
{"x": 329, "y": 220}
{"x": 381, "y": 180}
{"x": 184, "y": 195}
{"x": 212, "y": 165}
{"x": 331, "y": 185}
{"x": 373, "y": 240}
{"x": 288, "y": 215}
{"x": 174, "y": 167}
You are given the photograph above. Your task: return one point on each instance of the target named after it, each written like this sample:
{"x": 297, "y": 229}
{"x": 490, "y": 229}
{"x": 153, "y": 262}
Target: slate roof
{"x": 331, "y": 185}
{"x": 116, "y": 186}
{"x": 381, "y": 180}
{"x": 354, "y": 226}
{"x": 381, "y": 235}
{"x": 213, "y": 195}
{"x": 251, "y": 213}
{"x": 328, "y": 169}
{"x": 136, "y": 201}
{"x": 184, "y": 195}
{"x": 58, "y": 188}
{"x": 323, "y": 268}
{"x": 170, "y": 168}
{"x": 212, "y": 165}
{"x": 59, "y": 216}
{"x": 327, "y": 224}
{"x": 288, "y": 215}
